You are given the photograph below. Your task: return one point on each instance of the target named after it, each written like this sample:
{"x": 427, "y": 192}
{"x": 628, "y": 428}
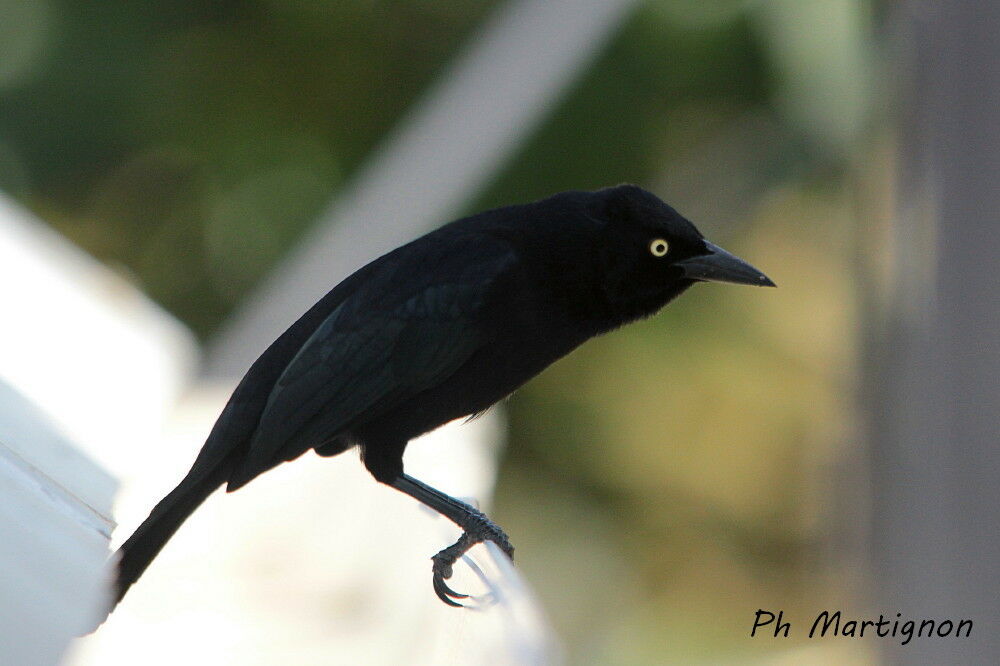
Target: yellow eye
{"x": 658, "y": 247}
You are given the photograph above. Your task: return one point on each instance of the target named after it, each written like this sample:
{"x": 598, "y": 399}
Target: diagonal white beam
{"x": 482, "y": 108}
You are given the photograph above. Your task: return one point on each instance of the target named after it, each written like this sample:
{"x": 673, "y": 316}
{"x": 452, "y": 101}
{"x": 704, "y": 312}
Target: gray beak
{"x": 717, "y": 265}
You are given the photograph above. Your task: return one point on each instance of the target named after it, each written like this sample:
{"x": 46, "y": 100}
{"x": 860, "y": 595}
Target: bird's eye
{"x": 658, "y": 247}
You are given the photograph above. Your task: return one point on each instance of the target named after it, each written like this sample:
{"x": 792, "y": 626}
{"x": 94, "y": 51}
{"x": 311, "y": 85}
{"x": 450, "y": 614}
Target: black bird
{"x": 438, "y": 329}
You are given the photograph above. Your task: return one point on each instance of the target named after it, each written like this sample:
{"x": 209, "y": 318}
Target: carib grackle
{"x": 441, "y": 328}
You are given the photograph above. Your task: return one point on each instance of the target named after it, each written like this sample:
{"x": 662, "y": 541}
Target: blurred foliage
{"x": 190, "y": 142}
{"x": 662, "y": 482}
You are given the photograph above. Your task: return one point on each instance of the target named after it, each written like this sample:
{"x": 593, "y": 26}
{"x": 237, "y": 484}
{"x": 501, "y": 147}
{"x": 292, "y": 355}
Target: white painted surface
{"x": 88, "y": 368}
{"x": 54, "y": 521}
{"x": 98, "y": 357}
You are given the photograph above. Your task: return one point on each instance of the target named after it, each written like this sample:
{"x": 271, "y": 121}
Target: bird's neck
{"x": 616, "y": 312}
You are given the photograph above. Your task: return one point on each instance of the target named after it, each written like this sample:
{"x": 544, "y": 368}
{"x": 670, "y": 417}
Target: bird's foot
{"x": 479, "y": 530}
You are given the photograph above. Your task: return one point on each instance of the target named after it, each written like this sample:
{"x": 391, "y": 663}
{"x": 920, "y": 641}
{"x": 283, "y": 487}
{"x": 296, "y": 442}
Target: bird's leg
{"x": 475, "y": 525}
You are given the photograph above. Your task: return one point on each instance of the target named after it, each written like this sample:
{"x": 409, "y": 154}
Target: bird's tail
{"x": 166, "y": 517}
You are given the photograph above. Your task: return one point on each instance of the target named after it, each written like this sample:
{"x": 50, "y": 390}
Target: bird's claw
{"x": 443, "y": 568}
{"x": 444, "y": 561}
{"x": 443, "y": 591}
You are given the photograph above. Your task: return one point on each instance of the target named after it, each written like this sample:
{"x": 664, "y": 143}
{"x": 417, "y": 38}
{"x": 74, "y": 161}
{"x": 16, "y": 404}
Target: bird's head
{"x": 650, "y": 253}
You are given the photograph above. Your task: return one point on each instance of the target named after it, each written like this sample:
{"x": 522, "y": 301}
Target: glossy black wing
{"x": 414, "y": 323}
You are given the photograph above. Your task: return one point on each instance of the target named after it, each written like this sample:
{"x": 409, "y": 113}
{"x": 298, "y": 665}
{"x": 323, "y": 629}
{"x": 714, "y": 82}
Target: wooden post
{"x": 935, "y": 389}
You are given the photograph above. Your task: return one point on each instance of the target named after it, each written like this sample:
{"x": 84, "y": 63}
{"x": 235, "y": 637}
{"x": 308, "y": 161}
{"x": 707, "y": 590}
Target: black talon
{"x": 485, "y": 530}
{"x": 444, "y": 593}
{"x": 476, "y": 528}
{"x": 443, "y": 563}
{"x": 443, "y": 570}
{"x": 442, "y": 586}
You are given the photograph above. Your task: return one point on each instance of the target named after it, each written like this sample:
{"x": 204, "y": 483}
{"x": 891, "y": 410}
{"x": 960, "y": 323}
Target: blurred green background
{"x": 662, "y": 482}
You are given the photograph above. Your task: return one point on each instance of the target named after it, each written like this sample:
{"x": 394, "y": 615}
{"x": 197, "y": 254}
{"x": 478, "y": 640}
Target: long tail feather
{"x": 140, "y": 549}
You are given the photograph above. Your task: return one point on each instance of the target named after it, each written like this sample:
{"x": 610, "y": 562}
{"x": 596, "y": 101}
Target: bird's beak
{"x": 717, "y": 265}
